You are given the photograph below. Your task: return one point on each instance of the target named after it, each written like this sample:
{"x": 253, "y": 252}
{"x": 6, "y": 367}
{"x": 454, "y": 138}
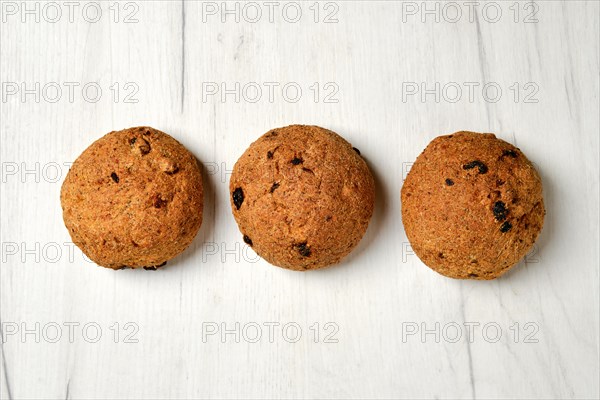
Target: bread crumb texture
{"x": 472, "y": 205}
{"x": 133, "y": 199}
{"x": 302, "y": 197}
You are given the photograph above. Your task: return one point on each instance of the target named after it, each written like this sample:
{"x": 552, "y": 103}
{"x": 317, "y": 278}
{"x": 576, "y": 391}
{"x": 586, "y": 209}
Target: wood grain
{"x": 369, "y": 62}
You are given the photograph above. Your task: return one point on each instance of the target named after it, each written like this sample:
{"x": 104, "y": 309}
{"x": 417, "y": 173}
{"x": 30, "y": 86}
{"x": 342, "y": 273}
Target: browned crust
{"x": 133, "y": 198}
{"x": 460, "y": 228}
{"x": 308, "y": 197}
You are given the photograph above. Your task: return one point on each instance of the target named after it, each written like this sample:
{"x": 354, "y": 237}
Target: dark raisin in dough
{"x": 238, "y": 197}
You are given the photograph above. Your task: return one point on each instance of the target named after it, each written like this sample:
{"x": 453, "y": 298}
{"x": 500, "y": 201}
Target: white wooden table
{"x": 220, "y": 323}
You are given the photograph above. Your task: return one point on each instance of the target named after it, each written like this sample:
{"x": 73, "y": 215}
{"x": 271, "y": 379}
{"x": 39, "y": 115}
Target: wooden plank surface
{"x": 221, "y": 323}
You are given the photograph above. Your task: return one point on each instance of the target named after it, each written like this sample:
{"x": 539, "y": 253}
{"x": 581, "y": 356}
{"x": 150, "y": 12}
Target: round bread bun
{"x": 472, "y": 205}
{"x": 133, "y": 198}
{"x": 302, "y": 197}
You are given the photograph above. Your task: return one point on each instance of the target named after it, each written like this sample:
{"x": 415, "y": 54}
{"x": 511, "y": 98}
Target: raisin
{"x": 275, "y": 186}
{"x": 509, "y": 153}
{"x": 500, "y": 211}
{"x": 303, "y": 249}
{"x": 247, "y": 240}
{"x": 238, "y": 197}
{"x": 356, "y": 150}
{"x": 142, "y": 146}
{"x": 505, "y": 227}
{"x": 145, "y": 148}
{"x": 159, "y": 202}
{"x": 115, "y": 177}
{"x": 476, "y": 163}
{"x": 155, "y": 267}
{"x": 172, "y": 171}
{"x": 297, "y": 161}
{"x": 449, "y": 182}
{"x": 473, "y": 276}
{"x": 269, "y": 155}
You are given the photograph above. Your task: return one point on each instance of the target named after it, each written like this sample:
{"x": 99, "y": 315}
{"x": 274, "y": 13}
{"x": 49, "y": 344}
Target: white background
{"x": 369, "y": 62}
